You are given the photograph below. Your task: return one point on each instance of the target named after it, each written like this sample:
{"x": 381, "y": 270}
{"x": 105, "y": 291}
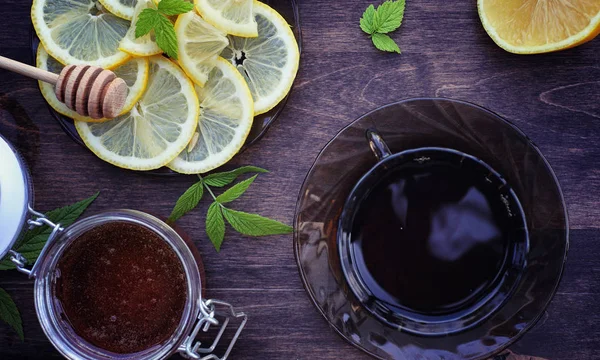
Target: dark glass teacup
{"x": 431, "y": 240}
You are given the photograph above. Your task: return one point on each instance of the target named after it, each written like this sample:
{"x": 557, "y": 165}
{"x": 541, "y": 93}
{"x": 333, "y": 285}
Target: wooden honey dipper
{"x": 89, "y": 90}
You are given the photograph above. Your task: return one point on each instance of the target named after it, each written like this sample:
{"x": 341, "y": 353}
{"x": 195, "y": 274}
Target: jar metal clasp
{"x": 192, "y": 349}
{"x": 37, "y": 220}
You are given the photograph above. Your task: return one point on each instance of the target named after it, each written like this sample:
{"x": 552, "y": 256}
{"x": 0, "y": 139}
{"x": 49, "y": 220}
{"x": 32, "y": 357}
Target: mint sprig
{"x": 30, "y": 246}
{"x": 385, "y": 19}
{"x": 157, "y": 20}
{"x": 244, "y": 223}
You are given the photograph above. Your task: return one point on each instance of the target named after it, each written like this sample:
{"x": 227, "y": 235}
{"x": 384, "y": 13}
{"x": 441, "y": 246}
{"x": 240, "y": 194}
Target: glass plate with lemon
{"x": 237, "y": 92}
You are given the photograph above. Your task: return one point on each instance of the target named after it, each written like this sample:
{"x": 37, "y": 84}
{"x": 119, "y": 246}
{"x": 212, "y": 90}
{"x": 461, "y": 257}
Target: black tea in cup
{"x": 431, "y": 234}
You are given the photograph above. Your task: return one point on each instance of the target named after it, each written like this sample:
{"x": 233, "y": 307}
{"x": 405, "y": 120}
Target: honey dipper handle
{"x": 30, "y": 71}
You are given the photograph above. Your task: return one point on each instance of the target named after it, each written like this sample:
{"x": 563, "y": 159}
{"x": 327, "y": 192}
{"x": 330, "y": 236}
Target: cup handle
{"x": 378, "y": 146}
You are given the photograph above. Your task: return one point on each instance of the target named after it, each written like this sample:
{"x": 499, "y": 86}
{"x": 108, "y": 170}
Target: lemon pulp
{"x": 269, "y": 63}
{"x": 224, "y": 124}
{"x": 79, "y": 32}
{"x": 156, "y": 129}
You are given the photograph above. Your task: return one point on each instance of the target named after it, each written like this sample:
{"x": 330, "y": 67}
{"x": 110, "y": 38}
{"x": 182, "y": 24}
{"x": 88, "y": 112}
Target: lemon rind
{"x": 209, "y": 14}
{"x": 118, "y": 12}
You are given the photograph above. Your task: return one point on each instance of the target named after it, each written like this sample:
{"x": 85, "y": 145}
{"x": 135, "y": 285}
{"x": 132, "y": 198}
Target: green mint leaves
{"x": 33, "y": 241}
{"x": 174, "y": 7}
{"x": 10, "y": 314}
{"x": 218, "y": 213}
{"x": 235, "y": 191}
{"x": 215, "y": 225}
{"x": 30, "y": 246}
{"x": 254, "y": 224}
{"x": 377, "y": 23}
{"x": 385, "y": 43}
{"x": 226, "y": 178}
{"x": 187, "y": 202}
{"x": 164, "y": 31}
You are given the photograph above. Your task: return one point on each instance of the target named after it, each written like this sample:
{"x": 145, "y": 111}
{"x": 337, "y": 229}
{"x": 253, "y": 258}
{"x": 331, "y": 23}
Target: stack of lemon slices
{"x": 236, "y": 59}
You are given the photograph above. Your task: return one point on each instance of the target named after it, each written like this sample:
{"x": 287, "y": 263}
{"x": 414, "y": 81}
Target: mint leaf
{"x": 174, "y": 7}
{"x": 235, "y": 191}
{"x": 33, "y": 241}
{"x": 225, "y": 178}
{"x": 385, "y": 43}
{"x": 166, "y": 38}
{"x": 164, "y": 31}
{"x": 188, "y": 201}
{"x": 388, "y": 16}
{"x": 10, "y": 314}
{"x": 366, "y": 21}
{"x": 254, "y": 224}
{"x": 147, "y": 20}
{"x": 215, "y": 225}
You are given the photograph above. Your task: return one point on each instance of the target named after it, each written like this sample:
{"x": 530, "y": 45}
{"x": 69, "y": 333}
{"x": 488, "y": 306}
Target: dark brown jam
{"x": 121, "y": 287}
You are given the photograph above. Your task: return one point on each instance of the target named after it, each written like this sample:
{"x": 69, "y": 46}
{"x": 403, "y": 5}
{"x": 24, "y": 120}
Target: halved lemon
{"x": 122, "y": 8}
{"x": 199, "y": 46}
{"x": 269, "y": 63}
{"x": 79, "y": 32}
{"x": 231, "y": 16}
{"x": 225, "y": 120}
{"x": 144, "y": 45}
{"x": 540, "y": 26}
{"x": 158, "y": 127}
{"x": 134, "y": 72}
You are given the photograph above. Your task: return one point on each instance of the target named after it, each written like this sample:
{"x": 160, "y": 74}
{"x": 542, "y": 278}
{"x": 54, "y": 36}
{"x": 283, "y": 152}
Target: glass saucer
{"x": 287, "y": 8}
{"x": 430, "y": 123}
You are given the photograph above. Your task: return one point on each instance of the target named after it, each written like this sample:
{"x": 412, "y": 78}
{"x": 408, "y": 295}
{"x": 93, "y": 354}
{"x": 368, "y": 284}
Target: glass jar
{"x": 198, "y": 314}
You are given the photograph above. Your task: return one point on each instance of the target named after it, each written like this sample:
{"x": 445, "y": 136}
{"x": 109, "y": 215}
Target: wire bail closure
{"x": 37, "y": 220}
{"x": 191, "y": 349}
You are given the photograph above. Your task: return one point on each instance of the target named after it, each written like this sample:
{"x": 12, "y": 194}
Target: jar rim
{"x": 60, "y": 333}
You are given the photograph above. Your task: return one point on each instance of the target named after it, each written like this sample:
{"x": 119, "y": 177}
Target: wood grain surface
{"x": 554, "y": 98}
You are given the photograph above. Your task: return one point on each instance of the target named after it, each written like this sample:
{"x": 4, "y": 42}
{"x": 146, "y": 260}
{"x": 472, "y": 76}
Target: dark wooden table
{"x": 554, "y": 98}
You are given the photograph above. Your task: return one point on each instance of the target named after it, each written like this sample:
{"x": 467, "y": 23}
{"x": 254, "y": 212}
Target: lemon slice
{"x": 134, "y": 72}
{"x": 539, "y": 26}
{"x": 199, "y": 46}
{"x": 144, "y": 45}
{"x": 231, "y": 16}
{"x": 269, "y": 63}
{"x": 122, "y": 8}
{"x": 158, "y": 127}
{"x": 225, "y": 121}
{"x": 77, "y": 32}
